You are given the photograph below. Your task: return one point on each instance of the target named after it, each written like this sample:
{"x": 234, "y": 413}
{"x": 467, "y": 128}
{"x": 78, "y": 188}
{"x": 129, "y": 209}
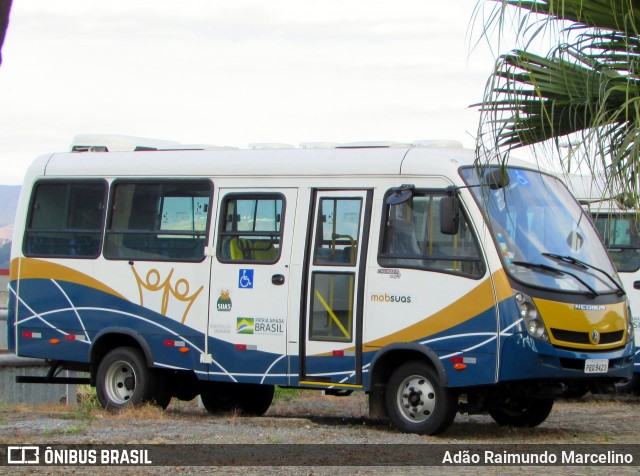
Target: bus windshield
{"x": 544, "y": 237}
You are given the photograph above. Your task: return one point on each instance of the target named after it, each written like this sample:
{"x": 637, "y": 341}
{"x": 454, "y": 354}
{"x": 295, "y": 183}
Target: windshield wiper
{"x": 583, "y": 265}
{"x": 550, "y": 269}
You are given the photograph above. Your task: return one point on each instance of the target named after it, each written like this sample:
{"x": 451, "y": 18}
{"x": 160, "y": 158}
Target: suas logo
{"x": 390, "y": 298}
{"x": 224, "y": 301}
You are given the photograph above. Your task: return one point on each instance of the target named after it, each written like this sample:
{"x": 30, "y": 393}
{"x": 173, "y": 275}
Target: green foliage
{"x": 66, "y": 431}
{"x": 585, "y": 91}
{"x": 287, "y": 394}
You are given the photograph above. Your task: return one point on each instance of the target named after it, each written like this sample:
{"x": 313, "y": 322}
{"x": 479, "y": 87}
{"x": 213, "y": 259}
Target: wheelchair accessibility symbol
{"x": 245, "y": 279}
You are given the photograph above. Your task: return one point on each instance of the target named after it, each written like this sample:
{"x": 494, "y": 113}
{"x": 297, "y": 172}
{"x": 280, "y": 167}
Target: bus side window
{"x": 163, "y": 221}
{"x": 251, "y": 228}
{"x": 411, "y": 238}
{"x": 65, "y": 219}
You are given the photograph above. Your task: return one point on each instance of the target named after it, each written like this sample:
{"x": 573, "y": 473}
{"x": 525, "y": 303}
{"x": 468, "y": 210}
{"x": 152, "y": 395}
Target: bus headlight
{"x": 630, "y": 331}
{"x": 531, "y": 317}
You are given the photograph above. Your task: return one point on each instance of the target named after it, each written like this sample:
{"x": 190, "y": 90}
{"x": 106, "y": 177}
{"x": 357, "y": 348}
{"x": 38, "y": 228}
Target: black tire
{"x": 416, "y": 401}
{"x": 522, "y": 412}
{"x": 164, "y": 388}
{"x": 631, "y": 385}
{"x": 219, "y": 397}
{"x": 124, "y": 379}
{"x": 576, "y": 390}
{"x": 255, "y": 400}
{"x": 246, "y": 399}
{"x": 186, "y": 386}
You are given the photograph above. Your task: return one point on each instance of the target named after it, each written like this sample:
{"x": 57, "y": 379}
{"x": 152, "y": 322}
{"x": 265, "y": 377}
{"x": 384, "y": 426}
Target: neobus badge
{"x": 589, "y": 307}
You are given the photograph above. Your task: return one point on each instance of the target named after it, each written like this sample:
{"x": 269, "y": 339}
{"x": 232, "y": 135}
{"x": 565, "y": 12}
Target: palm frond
{"x": 587, "y": 88}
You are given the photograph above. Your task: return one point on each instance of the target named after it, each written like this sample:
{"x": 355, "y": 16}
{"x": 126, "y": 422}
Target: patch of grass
{"x": 144, "y": 412}
{"x": 287, "y": 394}
{"x": 67, "y": 431}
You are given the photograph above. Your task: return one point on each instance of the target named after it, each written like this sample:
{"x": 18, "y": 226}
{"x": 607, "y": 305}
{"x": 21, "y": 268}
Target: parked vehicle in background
{"x": 619, "y": 228}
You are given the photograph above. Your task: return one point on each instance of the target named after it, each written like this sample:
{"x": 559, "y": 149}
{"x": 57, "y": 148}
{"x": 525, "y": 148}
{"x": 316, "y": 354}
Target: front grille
{"x": 583, "y": 337}
{"x": 573, "y": 364}
{"x": 571, "y": 336}
{"x": 611, "y": 337}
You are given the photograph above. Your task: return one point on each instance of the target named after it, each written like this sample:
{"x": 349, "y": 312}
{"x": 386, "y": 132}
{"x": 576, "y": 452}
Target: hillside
{"x": 6, "y": 233}
{"x": 5, "y": 252}
{"x": 8, "y": 203}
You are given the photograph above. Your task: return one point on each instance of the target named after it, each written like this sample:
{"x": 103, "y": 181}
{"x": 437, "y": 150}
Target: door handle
{"x": 636, "y": 285}
{"x": 277, "y": 279}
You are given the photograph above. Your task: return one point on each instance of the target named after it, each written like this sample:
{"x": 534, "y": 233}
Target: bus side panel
{"x": 460, "y": 326}
{"x": 60, "y": 320}
{"x": 234, "y": 362}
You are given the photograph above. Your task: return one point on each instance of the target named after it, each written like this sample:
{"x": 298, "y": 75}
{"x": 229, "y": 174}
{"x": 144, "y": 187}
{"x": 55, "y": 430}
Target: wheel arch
{"x": 111, "y": 338}
{"x": 392, "y": 356}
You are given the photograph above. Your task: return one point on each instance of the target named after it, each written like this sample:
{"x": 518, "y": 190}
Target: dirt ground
{"x": 310, "y": 418}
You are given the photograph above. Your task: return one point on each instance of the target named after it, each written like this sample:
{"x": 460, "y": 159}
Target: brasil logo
{"x": 244, "y": 325}
{"x": 224, "y": 301}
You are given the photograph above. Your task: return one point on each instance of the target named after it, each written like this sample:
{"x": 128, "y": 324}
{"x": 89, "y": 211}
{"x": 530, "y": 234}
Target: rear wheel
{"x": 416, "y": 401}
{"x": 123, "y": 378}
{"x": 522, "y": 411}
{"x": 163, "y": 392}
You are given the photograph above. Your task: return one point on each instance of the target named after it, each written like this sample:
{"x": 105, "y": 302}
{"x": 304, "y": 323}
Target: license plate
{"x": 596, "y": 366}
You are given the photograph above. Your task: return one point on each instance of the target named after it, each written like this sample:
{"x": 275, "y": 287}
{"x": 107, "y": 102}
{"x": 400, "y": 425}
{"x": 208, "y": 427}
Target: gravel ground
{"x": 309, "y": 418}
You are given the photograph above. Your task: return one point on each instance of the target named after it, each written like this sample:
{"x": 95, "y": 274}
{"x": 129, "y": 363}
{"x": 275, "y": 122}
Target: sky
{"x": 237, "y": 72}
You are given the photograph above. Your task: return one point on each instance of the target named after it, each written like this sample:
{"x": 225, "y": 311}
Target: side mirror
{"x": 449, "y": 215}
{"x": 400, "y": 194}
{"x": 496, "y": 179}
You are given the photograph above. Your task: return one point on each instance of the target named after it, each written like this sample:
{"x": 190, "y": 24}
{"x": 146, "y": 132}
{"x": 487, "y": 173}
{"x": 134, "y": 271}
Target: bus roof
{"x": 168, "y": 158}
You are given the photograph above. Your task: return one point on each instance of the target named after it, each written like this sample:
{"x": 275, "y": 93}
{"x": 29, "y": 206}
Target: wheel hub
{"x": 416, "y": 398}
{"x": 120, "y": 382}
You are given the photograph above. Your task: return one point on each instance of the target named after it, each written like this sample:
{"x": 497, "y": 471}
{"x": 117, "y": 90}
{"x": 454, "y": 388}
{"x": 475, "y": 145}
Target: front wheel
{"x": 416, "y": 401}
{"x": 631, "y": 385}
{"x": 522, "y": 411}
{"x": 123, "y": 378}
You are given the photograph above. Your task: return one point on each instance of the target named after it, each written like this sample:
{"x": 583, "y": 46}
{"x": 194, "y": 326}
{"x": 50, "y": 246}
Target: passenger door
{"x": 250, "y": 285}
{"x": 331, "y": 324}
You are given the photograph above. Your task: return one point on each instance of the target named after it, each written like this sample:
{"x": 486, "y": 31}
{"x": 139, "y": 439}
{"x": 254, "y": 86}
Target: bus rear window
{"x": 66, "y": 219}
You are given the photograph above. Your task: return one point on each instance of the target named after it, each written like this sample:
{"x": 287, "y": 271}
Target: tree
{"x": 5, "y": 8}
{"x": 584, "y": 92}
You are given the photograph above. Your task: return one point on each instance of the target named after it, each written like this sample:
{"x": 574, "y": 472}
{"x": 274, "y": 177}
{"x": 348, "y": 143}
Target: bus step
{"x": 62, "y": 380}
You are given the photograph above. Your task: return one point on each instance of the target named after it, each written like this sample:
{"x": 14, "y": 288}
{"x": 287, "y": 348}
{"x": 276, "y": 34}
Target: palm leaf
{"x": 586, "y": 89}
